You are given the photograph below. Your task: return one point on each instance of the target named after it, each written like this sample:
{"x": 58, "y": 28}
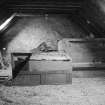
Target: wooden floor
{"x": 87, "y": 88}
{"x": 82, "y": 91}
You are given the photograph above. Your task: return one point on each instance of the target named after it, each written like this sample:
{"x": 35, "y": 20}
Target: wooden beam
{"x": 88, "y": 64}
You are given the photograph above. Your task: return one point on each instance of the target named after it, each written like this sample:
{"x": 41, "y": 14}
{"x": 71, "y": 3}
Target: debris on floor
{"x": 83, "y": 91}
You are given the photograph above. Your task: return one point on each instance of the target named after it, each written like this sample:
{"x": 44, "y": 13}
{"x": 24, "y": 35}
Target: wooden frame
{"x": 98, "y": 46}
{"x": 53, "y": 76}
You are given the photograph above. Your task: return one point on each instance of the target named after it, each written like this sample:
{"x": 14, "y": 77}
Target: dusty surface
{"x": 83, "y": 91}
{"x": 30, "y": 32}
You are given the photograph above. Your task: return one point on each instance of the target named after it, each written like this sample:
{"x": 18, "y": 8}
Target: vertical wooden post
{"x": 43, "y": 78}
{"x": 12, "y": 61}
{"x": 69, "y": 77}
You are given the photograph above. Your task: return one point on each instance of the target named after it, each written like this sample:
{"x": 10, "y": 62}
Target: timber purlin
{"x": 43, "y": 7}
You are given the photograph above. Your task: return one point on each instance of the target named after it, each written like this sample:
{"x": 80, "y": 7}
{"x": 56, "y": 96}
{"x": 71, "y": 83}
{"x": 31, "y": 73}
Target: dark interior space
{"x": 52, "y": 52}
{"x": 37, "y": 21}
{"x": 66, "y": 19}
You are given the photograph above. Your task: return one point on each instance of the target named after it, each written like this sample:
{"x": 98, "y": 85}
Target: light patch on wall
{"x": 31, "y": 38}
{"x": 29, "y": 33}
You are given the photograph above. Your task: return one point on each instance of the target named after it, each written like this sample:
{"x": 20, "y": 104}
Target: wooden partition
{"x": 36, "y": 69}
{"x": 86, "y": 52}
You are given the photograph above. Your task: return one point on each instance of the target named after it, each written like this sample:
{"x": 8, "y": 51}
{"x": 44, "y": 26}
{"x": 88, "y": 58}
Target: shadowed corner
{"x": 18, "y": 67}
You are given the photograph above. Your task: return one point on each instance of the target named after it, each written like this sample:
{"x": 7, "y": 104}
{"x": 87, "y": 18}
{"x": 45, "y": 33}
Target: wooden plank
{"x": 88, "y": 73}
{"x": 50, "y": 65}
{"x": 27, "y": 80}
{"x": 43, "y": 78}
{"x": 82, "y": 39}
{"x": 52, "y": 72}
{"x": 56, "y": 78}
{"x": 68, "y": 77}
{"x": 88, "y": 64}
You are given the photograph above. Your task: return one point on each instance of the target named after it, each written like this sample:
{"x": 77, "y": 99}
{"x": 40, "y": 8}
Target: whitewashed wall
{"x": 28, "y": 33}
